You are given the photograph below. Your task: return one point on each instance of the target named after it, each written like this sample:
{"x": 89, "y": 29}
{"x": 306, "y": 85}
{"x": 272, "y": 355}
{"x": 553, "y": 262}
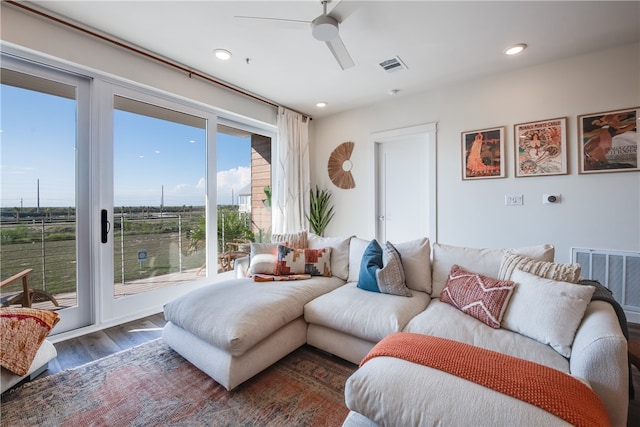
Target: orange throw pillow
{"x": 22, "y": 331}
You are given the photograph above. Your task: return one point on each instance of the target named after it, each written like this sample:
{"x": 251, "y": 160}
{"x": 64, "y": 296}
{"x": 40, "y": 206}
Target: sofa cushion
{"x": 416, "y": 261}
{"x": 547, "y": 310}
{"x": 439, "y": 317}
{"x": 357, "y": 247}
{"x": 339, "y": 252}
{"x": 481, "y": 297}
{"x": 549, "y": 270}
{"x": 367, "y": 315}
{"x": 22, "y": 331}
{"x": 263, "y": 258}
{"x": 236, "y": 314}
{"x": 394, "y": 392}
{"x": 481, "y": 261}
{"x": 381, "y": 270}
{"x": 316, "y": 262}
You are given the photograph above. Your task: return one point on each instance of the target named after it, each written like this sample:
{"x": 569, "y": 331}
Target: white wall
{"x": 597, "y": 211}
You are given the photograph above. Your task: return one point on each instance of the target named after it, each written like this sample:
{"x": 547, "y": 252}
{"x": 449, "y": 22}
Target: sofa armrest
{"x": 241, "y": 267}
{"x": 599, "y": 355}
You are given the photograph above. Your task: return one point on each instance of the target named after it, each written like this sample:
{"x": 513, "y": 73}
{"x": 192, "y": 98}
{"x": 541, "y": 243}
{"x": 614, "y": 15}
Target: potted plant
{"x": 320, "y": 210}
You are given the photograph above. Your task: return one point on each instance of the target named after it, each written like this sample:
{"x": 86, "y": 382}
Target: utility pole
{"x": 38, "y": 195}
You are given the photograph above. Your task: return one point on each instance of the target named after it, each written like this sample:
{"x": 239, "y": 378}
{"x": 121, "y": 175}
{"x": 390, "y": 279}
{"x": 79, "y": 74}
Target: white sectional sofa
{"x": 235, "y": 329}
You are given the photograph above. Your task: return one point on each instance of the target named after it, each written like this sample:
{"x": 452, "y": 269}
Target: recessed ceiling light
{"x": 393, "y": 92}
{"x": 321, "y": 104}
{"x": 222, "y": 54}
{"x": 515, "y": 49}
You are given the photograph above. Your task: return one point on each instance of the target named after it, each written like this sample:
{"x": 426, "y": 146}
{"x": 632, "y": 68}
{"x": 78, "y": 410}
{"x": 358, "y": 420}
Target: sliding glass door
{"x": 45, "y": 202}
{"x": 156, "y": 223}
{"x": 114, "y": 194}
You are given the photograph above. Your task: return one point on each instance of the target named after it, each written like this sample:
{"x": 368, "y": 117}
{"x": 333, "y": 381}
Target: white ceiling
{"x": 440, "y": 42}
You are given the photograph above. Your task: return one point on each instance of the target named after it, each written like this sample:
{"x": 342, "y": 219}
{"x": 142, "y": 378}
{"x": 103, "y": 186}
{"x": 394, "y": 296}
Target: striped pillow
{"x": 549, "y": 270}
{"x": 293, "y": 240}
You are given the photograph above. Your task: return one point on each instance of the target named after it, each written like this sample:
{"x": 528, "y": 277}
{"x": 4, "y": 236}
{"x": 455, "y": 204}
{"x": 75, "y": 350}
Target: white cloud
{"x": 233, "y": 179}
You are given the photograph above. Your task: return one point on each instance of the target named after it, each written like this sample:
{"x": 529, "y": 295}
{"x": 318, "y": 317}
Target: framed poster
{"x": 541, "y": 147}
{"x": 482, "y": 153}
{"x": 608, "y": 142}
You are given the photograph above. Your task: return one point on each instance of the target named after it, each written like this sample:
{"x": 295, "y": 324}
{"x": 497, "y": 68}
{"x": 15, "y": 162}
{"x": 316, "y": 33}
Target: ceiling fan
{"x": 323, "y": 28}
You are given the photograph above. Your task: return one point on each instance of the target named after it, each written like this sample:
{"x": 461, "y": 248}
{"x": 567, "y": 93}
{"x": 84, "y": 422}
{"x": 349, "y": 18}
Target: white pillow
{"x": 357, "y": 247}
{"x": 416, "y": 261}
{"x": 546, "y": 310}
{"x": 481, "y": 261}
{"x": 339, "y": 252}
{"x": 263, "y": 258}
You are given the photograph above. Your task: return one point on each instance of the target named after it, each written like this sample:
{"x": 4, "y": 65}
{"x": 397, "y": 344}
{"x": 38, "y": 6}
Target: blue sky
{"x": 150, "y": 155}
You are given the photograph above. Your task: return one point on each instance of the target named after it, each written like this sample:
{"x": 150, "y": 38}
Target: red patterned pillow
{"x": 22, "y": 331}
{"x": 482, "y": 297}
{"x": 316, "y": 262}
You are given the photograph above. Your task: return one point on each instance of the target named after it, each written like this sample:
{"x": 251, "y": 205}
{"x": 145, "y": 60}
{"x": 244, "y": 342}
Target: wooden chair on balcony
{"x": 28, "y": 296}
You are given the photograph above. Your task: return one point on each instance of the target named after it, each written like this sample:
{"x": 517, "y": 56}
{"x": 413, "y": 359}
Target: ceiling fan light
{"x": 222, "y": 54}
{"x": 324, "y": 28}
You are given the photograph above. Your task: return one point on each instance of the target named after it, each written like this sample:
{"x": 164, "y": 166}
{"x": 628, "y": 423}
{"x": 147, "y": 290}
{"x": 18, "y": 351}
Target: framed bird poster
{"x": 608, "y": 142}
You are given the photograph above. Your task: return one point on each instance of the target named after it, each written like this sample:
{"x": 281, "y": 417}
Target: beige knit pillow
{"x": 549, "y": 270}
{"x": 294, "y": 240}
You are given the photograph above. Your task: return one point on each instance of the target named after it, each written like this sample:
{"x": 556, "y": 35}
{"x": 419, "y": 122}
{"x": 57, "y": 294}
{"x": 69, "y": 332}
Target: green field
{"x": 172, "y": 238}
{"x": 56, "y": 254}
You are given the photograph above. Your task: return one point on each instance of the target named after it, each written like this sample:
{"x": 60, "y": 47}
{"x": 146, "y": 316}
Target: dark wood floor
{"x": 81, "y": 350}
{"x": 87, "y": 348}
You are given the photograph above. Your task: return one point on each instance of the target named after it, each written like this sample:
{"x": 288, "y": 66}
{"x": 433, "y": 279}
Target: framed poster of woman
{"x": 541, "y": 147}
{"x": 482, "y": 153}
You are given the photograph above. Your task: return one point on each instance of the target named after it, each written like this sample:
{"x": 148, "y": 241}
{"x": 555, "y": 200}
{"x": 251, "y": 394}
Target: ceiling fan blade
{"x": 340, "y": 52}
{"x": 297, "y": 21}
{"x": 343, "y": 10}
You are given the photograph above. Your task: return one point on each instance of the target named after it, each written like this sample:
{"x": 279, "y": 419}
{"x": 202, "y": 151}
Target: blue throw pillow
{"x": 371, "y": 262}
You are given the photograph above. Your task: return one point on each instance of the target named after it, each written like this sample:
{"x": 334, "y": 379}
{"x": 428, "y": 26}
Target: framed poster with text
{"x": 541, "y": 147}
{"x": 608, "y": 142}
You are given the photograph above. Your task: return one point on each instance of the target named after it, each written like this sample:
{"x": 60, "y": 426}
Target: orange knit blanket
{"x": 547, "y": 388}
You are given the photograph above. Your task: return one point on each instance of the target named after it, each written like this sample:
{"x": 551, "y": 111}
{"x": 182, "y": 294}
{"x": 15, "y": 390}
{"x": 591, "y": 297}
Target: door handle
{"x": 381, "y": 218}
{"x": 105, "y": 226}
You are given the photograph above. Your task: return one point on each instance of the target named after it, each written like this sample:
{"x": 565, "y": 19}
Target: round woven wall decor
{"x": 340, "y": 165}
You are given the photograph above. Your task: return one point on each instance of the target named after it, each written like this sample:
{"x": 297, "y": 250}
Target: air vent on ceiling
{"x": 392, "y": 65}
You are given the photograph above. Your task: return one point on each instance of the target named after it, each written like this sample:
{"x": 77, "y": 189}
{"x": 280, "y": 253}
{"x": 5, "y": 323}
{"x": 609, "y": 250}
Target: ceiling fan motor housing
{"x": 324, "y": 28}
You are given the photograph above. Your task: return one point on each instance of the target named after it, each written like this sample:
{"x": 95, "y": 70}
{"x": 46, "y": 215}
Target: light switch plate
{"x": 513, "y": 200}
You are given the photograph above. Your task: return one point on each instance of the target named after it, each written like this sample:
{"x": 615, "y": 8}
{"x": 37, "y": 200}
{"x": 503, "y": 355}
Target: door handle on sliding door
{"x": 105, "y": 226}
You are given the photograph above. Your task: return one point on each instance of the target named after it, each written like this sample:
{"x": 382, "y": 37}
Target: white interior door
{"x": 405, "y": 184}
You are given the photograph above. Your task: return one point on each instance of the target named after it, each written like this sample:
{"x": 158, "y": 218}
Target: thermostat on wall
{"x": 549, "y": 199}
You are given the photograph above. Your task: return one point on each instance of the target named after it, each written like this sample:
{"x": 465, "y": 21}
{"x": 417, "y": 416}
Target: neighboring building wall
{"x": 596, "y": 210}
{"x": 260, "y": 178}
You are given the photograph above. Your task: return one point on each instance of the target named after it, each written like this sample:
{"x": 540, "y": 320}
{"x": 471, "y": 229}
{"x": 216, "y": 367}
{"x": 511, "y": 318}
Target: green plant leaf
{"x": 320, "y": 210}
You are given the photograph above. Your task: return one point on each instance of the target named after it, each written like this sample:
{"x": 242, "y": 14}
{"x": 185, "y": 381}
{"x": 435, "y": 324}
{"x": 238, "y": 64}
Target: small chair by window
{"x": 28, "y": 296}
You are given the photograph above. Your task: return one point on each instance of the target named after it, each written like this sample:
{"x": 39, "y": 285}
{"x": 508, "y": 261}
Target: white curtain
{"x": 292, "y": 177}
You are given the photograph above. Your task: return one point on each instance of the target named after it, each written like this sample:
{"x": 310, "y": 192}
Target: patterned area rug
{"x": 152, "y": 385}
